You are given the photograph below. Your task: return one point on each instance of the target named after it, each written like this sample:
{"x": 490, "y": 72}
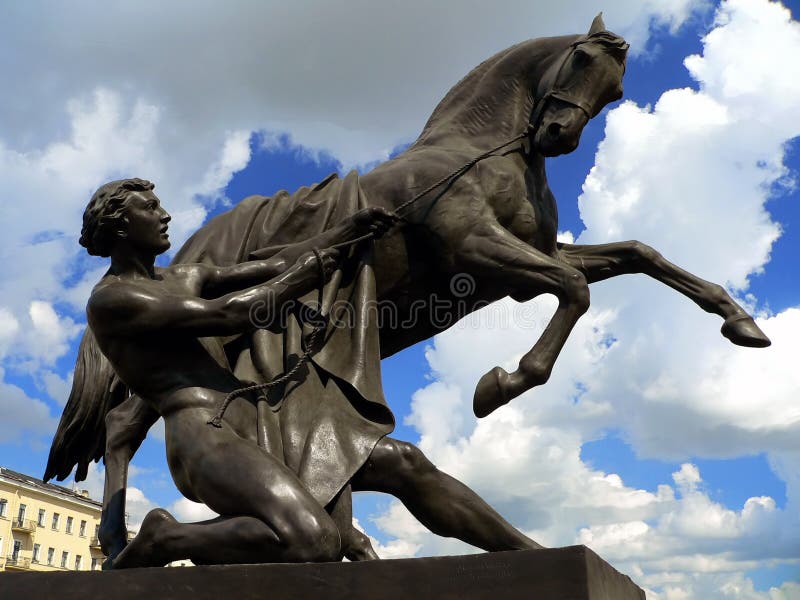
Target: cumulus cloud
{"x": 43, "y": 293}
{"x": 689, "y": 175}
{"x": 334, "y": 76}
{"x": 192, "y": 512}
{"x": 22, "y": 416}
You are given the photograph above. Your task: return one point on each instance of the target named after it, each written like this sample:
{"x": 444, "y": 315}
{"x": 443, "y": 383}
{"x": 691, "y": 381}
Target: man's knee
{"x": 403, "y": 459}
{"x": 311, "y": 538}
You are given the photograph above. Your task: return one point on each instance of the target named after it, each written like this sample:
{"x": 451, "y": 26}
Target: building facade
{"x": 46, "y": 527}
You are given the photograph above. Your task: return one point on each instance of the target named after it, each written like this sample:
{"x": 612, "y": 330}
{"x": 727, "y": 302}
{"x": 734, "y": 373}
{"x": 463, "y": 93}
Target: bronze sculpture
{"x": 147, "y": 322}
{"x": 494, "y": 219}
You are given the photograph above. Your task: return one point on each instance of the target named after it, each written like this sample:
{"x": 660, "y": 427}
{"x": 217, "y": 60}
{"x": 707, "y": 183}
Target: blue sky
{"x": 670, "y": 452}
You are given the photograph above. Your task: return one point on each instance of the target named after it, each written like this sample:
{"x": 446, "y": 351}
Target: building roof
{"x": 49, "y": 488}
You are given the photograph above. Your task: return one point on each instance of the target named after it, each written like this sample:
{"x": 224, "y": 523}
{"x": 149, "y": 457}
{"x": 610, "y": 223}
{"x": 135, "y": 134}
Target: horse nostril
{"x": 554, "y": 129}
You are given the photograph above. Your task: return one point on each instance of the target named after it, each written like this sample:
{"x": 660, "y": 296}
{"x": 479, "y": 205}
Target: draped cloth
{"x": 325, "y": 422}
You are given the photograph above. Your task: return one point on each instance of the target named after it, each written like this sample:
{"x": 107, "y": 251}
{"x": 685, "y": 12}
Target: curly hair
{"x": 104, "y": 211}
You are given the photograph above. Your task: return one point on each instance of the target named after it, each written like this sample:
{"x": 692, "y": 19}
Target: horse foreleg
{"x": 515, "y": 268}
{"x": 126, "y": 427}
{"x": 599, "y": 262}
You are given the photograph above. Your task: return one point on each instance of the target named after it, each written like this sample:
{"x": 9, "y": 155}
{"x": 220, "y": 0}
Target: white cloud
{"x": 50, "y": 334}
{"x": 45, "y": 191}
{"x": 191, "y": 512}
{"x": 57, "y": 387}
{"x": 137, "y": 505}
{"x": 687, "y": 478}
{"x": 22, "y": 416}
{"x": 9, "y": 327}
{"x": 334, "y": 76}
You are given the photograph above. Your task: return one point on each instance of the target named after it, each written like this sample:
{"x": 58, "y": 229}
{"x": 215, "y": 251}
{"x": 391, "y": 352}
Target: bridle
{"x": 555, "y": 92}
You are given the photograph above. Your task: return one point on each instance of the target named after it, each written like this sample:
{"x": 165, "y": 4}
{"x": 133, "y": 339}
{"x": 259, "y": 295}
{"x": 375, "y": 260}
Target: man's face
{"x": 146, "y": 223}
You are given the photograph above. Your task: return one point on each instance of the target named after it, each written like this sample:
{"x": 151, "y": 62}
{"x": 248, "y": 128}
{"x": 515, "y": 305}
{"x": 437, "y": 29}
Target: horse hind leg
{"x": 501, "y": 259}
{"x": 602, "y": 261}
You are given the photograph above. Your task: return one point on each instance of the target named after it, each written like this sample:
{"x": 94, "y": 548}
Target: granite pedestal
{"x": 572, "y": 573}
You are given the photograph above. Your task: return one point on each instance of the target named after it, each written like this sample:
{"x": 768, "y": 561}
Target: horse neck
{"x": 493, "y": 103}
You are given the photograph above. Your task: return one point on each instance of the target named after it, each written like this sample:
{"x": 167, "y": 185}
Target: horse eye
{"x": 582, "y": 57}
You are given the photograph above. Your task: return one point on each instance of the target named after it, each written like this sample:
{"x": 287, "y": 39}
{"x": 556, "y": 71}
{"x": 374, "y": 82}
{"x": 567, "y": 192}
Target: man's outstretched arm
{"x": 217, "y": 281}
{"x": 127, "y": 309}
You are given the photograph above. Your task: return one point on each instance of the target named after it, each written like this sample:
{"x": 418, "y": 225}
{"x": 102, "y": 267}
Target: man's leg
{"x": 276, "y": 518}
{"x": 355, "y": 545}
{"x": 225, "y": 540}
{"x": 442, "y": 504}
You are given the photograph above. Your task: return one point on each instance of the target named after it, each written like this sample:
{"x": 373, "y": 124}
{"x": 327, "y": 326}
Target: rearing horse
{"x": 499, "y": 221}
{"x": 496, "y": 221}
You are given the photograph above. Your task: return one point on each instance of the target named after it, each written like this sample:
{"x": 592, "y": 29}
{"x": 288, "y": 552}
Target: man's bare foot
{"x": 112, "y": 542}
{"x": 145, "y": 549}
{"x": 357, "y": 546}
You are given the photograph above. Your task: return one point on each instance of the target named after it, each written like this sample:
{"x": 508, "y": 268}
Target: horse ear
{"x": 597, "y": 25}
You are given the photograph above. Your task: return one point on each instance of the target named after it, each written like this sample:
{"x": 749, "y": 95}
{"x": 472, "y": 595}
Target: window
{"x": 69, "y": 524}
{"x": 82, "y": 530}
{"x": 50, "y": 553}
{"x": 64, "y": 559}
{"x": 17, "y": 548}
{"x": 37, "y": 550}
{"x": 78, "y": 561}
{"x": 40, "y": 520}
{"x": 21, "y": 514}
{"x": 56, "y": 517}
{"x": 3, "y": 506}
{"x": 95, "y": 564}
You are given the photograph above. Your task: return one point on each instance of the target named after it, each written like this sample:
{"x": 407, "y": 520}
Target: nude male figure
{"x": 147, "y": 321}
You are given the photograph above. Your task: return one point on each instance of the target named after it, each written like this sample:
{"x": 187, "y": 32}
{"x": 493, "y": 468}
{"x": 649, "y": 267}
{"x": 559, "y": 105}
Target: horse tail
{"x": 81, "y": 434}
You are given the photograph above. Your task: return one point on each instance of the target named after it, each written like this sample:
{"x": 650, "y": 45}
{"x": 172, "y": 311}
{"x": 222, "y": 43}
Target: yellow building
{"x": 46, "y": 527}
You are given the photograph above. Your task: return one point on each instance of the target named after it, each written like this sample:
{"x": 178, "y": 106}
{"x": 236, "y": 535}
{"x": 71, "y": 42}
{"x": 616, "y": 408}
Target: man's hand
{"x": 375, "y": 220}
{"x": 308, "y": 263}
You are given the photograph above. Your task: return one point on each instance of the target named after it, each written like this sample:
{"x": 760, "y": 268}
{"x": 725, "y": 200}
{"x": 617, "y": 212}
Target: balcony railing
{"x": 28, "y": 525}
{"x": 18, "y": 562}
{"x": 94, "y": 543}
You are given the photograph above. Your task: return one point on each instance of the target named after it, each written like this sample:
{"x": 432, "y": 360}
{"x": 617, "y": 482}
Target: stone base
{"x": 572, "y": 573}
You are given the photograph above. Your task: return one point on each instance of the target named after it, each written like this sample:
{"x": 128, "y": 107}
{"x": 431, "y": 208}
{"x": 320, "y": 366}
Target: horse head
{"x": 553, "y": 84}
{"x": 585, "y": 77}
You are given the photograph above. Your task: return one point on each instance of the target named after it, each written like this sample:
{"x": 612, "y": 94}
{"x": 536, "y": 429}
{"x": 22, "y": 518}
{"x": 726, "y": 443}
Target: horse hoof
{"x": 743, "y": 331}
{"x": 490, "y": 393}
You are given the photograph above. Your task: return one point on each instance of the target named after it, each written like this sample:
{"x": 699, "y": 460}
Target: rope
{"x": 216, "y": 421}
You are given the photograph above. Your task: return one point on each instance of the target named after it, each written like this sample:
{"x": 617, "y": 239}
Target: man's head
{"x": 124, "y": 209}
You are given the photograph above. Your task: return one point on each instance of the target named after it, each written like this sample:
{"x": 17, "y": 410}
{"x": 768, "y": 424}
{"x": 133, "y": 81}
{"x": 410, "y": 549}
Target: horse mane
{"x": 464, "y": 85}
{"x": 81, "y": 434}
{"x": 473, "y": 101}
